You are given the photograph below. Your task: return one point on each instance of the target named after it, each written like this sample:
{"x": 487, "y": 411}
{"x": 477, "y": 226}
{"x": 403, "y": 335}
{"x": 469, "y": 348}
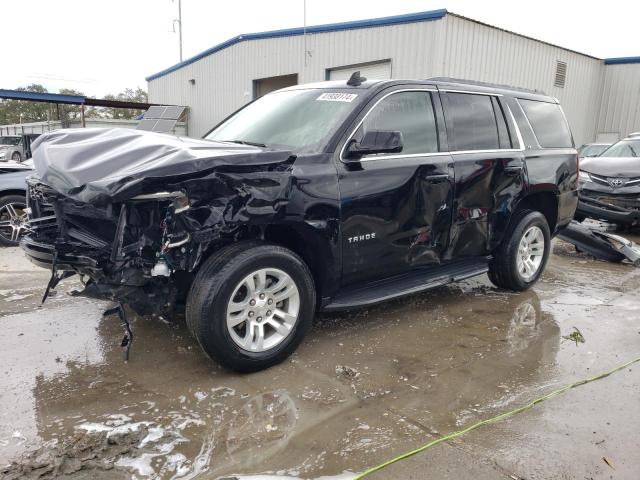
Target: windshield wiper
{"x": 244, "y": 142}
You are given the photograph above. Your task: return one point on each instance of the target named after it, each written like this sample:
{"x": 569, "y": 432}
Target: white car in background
{"x": 16, "y": 147}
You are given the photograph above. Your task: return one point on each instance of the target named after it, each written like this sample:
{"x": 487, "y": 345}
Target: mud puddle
{"x": 364, "y": 386}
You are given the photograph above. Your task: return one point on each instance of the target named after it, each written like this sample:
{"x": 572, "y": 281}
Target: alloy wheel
{"x": 530, "y": 253}
{"x": 263, "y": 310}
{"x": 13, "y": 221}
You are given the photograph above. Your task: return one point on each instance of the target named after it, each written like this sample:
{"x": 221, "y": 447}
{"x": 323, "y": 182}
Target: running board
{"x": 407, "y": 283}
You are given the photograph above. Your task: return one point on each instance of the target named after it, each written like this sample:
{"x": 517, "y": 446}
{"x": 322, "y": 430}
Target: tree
{"x": 67, "y": 113}
{"x": 22, "y": 111}
{"x": 129, "y": 95}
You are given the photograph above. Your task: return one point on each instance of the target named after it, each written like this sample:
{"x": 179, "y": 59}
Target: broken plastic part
{"x": 602, "y": 245}
{"x": 127, "y": 340}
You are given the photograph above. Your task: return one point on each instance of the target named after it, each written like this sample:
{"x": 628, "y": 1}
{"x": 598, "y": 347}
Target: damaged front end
{"x": 118, "y": 248}
{"x": 139, "y": 234}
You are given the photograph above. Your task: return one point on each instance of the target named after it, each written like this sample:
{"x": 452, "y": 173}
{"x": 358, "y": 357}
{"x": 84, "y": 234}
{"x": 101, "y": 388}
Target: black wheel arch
{"x": 314, "y": 249}
{"x": 310, "y": 244}
{"x": 6, "y": 193}
{"x": 545, "y": 202}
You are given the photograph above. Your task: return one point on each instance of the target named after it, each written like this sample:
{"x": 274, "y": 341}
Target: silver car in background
{"x": 16, "y": 147}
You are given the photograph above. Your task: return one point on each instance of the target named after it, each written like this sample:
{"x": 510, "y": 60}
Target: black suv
{"x": 317, "y": 197}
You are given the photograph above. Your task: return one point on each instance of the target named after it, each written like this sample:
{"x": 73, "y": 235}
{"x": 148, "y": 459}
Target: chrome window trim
{"x": 436, "y": 154}
{"x": 453, "y": 90}
{"x": 491, "y": 150}
{"x": 408, "y": 155}
{"x": 353, "y": 132}
{"x": 517, "y": 128}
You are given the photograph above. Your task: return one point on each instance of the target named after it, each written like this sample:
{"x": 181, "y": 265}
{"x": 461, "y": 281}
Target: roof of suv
{"x": 444, "y": 82}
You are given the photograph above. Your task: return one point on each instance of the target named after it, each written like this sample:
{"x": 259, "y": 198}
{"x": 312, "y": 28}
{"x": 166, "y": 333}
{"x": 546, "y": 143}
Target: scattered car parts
{"x": 602, "y": 245}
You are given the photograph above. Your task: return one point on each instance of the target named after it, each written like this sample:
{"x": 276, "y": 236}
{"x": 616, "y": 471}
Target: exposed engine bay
{"x": 130, "y": 210}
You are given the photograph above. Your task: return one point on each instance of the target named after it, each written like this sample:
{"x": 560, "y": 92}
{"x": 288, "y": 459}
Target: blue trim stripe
{"x": 290, "y": 32}
{"x": 621, "y": 60}
{"x": 42, "y": 97}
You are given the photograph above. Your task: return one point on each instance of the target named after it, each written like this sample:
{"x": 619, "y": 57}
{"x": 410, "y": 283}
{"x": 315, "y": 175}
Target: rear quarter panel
{"x": 555, "y": 170}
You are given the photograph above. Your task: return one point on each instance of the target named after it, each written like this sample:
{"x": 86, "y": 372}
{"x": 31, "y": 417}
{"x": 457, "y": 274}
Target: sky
{"x": 105, "y": 46}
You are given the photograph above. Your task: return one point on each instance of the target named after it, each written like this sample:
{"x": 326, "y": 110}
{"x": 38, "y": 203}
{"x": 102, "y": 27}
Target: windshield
{"x": 293, "y": 119}
{"x": 624, "y": 148}
{"x": 9, "y": 140}
{"x": 592, "y": 150}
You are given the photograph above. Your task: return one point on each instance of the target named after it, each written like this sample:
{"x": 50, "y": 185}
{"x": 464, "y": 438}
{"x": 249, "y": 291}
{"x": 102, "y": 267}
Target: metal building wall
{"x": 452, "y": 46}
{"x": 224, "y": 80}
{"x": 620, "y": 103}
{"x": 481, "y": 52}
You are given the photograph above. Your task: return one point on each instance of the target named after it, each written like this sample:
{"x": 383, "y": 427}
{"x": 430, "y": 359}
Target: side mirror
{"x": 376, "y": 141}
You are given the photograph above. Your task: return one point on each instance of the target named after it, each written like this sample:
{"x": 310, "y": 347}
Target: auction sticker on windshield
{"x": 337, "y": 97}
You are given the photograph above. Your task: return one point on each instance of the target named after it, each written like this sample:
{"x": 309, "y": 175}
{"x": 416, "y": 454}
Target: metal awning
{"x": 72, "y": 99}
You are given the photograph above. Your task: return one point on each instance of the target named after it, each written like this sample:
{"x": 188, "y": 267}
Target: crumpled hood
{"x": 101, "y": 165}
{"x": 612, "y": 166}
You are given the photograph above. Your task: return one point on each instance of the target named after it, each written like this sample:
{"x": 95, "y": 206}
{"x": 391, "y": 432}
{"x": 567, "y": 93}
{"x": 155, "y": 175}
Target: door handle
{"x": 435, "y": 178}
{"x": 513, "y": 170}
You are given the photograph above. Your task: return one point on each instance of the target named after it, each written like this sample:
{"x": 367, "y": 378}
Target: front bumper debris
{"x": 41, "y": 254}
{"x": 602, "y": 245}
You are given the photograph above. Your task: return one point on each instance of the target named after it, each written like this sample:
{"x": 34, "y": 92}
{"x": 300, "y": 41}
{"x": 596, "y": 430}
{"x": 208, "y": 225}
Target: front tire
{"x": 520, "y": 260}
{"x": 16, "y": 157}
{"x": 250, "y": 305}
{"x": 13, "y": 219}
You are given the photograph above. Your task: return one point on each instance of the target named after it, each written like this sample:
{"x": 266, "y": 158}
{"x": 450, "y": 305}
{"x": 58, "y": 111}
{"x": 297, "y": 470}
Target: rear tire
{"x": 227, "y": 309}
{"x": 521, "y": 257}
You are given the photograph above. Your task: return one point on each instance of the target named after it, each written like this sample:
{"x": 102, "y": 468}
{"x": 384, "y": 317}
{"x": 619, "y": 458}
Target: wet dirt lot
{"x": 364, "y": 386}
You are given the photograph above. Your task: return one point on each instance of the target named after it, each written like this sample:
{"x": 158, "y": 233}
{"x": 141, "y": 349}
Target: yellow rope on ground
{"x": 502, "y": 416}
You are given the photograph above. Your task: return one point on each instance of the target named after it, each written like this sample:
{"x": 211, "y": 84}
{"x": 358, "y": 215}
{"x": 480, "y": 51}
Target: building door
{"x": 263, "y": 86}
{"x": 372, "y": 70}
{"x": 396, "y": 208}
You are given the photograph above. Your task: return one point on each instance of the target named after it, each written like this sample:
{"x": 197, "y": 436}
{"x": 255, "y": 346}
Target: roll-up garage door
{"x": 377, "y": 70}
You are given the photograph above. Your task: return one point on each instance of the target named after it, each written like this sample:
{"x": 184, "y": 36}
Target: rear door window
{"x": 548, "y": 123}
{"x": 471, "y": 122}
{"x": 410, "y": 113}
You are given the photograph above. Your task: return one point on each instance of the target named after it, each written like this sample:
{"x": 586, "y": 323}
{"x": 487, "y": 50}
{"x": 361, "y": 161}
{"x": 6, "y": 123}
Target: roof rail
{"x": 485, "y": 84}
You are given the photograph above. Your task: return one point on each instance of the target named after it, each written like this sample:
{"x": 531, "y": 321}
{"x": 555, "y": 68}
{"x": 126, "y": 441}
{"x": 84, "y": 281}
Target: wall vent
{"x": 561, "y": 74}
